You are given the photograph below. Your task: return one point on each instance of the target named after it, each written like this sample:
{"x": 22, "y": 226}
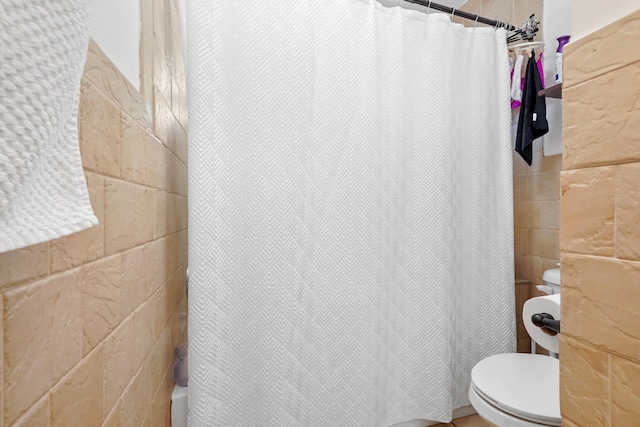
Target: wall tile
{"x": 180, "y": 140}
{"x": 587, "y": 211}
{"x": 501, "y": 10}
{"x": 159, "y": 305}
{"x": 106, "y": 77}
{"x": 163, "y": 115}
{"x": 543, "y": 243}
{"x": 520, "y": 240}
{"x": 520, "y": 183}
{"x": 146, "y": 50}
{"x": 550, "y": 215}
{"x": 628, "y": 211}
{"x": 177, "y": 213}
{"x": 584, "y": 383}
{"x": 527, "y": 214}
{"x": 143, "y": 321}
{"x": 625, "y": 392}
{"x": 77, "y": 399}
{"x": 184, "y": 113}
{"x": 548, "y": 264}
{"x": 119, "y": 216}
{"x": 99, "y": 131}
{"x": 176, "y": 289}
{"x": 161, "y": 225}
{"x": 544, "y": 186}
{"x": 524, "y": 345}
{"x": 24, "y": 264}
{"x": 42, "y": 339}
{"x": 596, "y": 128}
{"x": 178, "y": 177}
{"x": 102, "y": 302}
{"x": 115, "y": 417}
{"x": 529, "y": 268}
{"x": 177, "y": 245}
{"x": 160, "y": 23}
{"x": 602, "y": 51}
{"x": 179, "y": 323}
{"x": 522, "y": 295}
{"x": 568, "y": 423}
{"x": 159, "y": 414}
{"x": 144, "y": 214}
{"x": 135, "y": 400}
{"x": 596, "y": 296}
{"x": 156, "y": 167}
{"x": 473, "y": 6}
{"x": 134, "y": 140}
{"x": 87, "y": 245}
{"x": 134, "y": 279}
{"x": 120, "y": 364}
{"x": 156, "y": 268}
{"x": 159, "y": 360}
{"x": 542, "y": 163}
{"x": 37, "y": 416}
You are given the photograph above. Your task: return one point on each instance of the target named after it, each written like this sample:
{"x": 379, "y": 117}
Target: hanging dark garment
{"x": 532, "y": 122}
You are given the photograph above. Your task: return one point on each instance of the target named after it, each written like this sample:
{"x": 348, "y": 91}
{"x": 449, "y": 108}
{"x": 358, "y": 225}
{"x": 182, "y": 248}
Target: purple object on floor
{"x": 180, "y": 367}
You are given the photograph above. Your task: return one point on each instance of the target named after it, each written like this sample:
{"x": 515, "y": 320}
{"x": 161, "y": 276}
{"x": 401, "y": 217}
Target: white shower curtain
{"x": 350, "y": 200}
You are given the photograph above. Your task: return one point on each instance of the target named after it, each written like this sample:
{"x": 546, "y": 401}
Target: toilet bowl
{"x": 518, "y": 389}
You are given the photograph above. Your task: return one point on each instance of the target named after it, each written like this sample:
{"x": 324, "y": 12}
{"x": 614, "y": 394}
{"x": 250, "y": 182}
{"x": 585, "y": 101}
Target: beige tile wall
{"x": 89, "y": 321}
{"x": 600, "y": 228}
{"x": 536, "y": 188}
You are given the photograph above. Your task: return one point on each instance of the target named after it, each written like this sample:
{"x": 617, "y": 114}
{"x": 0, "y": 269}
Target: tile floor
{"x": 471, "y": 421}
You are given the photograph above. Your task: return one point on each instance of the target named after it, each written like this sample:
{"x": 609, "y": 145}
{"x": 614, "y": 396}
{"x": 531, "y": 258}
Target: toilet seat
{"x": 524, "y": 386}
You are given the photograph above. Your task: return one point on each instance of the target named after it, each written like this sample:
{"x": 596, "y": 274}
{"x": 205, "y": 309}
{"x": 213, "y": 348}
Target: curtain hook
{"x": 453, "y": 12}
{"x": 476, "y": 22}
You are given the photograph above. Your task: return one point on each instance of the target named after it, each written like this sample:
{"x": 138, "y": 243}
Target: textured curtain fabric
{"x": 43, "y": 193}
{"x": 351, "y": 221}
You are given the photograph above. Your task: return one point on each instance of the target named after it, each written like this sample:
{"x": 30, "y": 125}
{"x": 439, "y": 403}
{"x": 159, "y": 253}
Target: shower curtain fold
{"x": 350, "y": 209}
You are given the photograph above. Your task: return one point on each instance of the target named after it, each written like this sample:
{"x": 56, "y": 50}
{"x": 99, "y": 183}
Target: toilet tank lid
{"x": 552, "y": 276}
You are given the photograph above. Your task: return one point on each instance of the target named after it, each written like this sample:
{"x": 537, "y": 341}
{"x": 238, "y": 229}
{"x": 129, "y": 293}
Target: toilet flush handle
{"x": 546, "y": 321}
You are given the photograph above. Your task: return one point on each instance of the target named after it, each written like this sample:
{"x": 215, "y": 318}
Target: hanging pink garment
{"x": 540, "y": 65}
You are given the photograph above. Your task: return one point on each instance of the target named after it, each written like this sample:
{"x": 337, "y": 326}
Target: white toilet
{"x": 179, "y": 406}
{"x": 516, "y": 389}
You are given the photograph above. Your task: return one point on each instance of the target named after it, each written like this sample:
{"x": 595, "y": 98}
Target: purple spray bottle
{"x": 562, "y": 40}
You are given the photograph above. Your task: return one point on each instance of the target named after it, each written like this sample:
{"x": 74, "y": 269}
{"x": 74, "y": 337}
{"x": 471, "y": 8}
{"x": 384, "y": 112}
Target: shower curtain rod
{"x": 462, "y": 14}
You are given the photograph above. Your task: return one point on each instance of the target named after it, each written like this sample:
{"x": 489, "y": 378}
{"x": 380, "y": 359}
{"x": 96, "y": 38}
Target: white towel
{"x": 43, "y": 194}
{"x": 516, "y": 90}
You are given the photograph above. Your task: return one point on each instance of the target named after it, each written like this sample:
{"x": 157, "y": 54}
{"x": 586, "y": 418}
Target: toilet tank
{"x": 551, "y": 279}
